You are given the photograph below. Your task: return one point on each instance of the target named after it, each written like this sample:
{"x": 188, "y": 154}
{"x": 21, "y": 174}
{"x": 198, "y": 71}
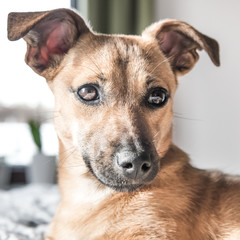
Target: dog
{"x": 120, "y": 175}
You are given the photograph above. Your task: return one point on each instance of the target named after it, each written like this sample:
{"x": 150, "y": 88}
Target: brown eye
{"x": 88, "y": 93}
{"x": 157, "y": 97}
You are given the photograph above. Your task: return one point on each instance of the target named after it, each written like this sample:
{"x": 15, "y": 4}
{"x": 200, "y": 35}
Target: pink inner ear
{"x": 174, "y": 43}
{"x": 168, "y": 41}
{"x": 55, "y": 38}
{"x": 57, "y": 42}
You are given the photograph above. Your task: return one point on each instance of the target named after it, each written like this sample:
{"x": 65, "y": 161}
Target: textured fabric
{"x": 25, "y": 213}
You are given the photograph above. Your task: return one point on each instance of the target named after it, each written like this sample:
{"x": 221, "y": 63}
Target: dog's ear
{"x": 179, "y": 42}
{"x": 49, "y": 36}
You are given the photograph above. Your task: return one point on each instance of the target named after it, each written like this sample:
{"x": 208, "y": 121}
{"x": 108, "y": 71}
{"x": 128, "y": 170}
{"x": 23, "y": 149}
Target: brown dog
{"x": 120, "y": 177}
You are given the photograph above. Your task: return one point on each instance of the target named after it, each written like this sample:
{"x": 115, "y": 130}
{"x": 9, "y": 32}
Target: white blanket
{"x": 25, "y": 213}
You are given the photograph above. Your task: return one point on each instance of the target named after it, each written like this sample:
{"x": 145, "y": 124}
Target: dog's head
{"x": 113, "y": 93}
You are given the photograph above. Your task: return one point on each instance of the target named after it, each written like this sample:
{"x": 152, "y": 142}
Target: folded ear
{"x": 49, "y": 36}
{"x": 179, "y": 43}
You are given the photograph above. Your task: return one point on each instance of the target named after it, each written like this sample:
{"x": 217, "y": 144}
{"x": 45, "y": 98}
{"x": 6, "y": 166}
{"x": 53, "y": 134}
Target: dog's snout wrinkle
{"x": 133, "y": 166}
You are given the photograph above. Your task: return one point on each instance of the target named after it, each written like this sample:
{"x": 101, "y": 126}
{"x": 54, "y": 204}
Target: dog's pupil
{"x": 88, "y": 93}
{"x": 157, "y": 97}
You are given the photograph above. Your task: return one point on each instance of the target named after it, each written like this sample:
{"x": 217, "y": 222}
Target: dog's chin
{"x": 122, "y": 187}
{"x": 118, "y": 187}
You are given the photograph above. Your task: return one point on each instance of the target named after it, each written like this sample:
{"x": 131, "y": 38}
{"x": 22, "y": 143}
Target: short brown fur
{"x": 98, "y": 199}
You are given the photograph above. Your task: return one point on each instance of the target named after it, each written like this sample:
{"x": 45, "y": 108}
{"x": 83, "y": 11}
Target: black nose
{"x": 133, "y": 166}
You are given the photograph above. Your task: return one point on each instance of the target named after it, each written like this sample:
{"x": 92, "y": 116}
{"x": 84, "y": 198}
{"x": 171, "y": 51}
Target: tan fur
{"x": 182, "y": 202}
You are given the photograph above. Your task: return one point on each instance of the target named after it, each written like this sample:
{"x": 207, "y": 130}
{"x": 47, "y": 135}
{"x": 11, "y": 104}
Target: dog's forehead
{"x": 119, "y": 59}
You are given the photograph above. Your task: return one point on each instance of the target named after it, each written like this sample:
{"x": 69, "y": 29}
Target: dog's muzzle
{"x": 126, "y": 169}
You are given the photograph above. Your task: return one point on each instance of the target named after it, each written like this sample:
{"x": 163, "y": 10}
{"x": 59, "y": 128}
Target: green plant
{"x": 36, "y": 135}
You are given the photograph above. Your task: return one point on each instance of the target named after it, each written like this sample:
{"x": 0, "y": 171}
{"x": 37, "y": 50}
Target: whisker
{"x": 90, "y": 69}
{"x": 62, "y": 163}
{"x": 186, "y": 118}
{"x": 155, "y": 136}
{"x": 44, "y": 116}
{"x": 67, "y": 150}
{"x": 74, "y": 166}
{"x": 165, "y": 60}
{"x": 50, "y": 118}
{"x": 91, "y": 59}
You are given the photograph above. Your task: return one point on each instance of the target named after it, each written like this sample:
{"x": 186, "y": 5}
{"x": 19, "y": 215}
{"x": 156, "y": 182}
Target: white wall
{"x": 207, "y": 104}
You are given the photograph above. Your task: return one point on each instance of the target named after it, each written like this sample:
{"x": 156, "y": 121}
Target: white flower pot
{"x": 42, "y": 169}
{"x": 4, "y": 173}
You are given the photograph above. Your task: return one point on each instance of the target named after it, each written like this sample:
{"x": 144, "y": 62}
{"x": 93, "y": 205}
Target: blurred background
{"x": 206, "y": 112}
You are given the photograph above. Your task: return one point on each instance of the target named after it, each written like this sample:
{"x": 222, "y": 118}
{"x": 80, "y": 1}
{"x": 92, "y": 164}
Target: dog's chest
{"x": 79, "y": 222}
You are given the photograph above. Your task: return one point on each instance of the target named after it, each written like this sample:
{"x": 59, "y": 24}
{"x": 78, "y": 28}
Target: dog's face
{"x": 117, "y": 107}
{"x": 113, "y": 93}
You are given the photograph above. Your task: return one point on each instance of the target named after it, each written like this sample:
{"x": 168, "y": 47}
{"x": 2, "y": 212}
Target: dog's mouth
{"x": 123, "y": 186}
{"x": 123, "y": 179}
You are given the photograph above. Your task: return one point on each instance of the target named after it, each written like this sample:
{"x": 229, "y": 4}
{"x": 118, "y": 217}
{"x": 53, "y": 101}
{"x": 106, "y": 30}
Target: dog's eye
{"x": 157, "y": 97}
{"x": 88, "y": 93}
